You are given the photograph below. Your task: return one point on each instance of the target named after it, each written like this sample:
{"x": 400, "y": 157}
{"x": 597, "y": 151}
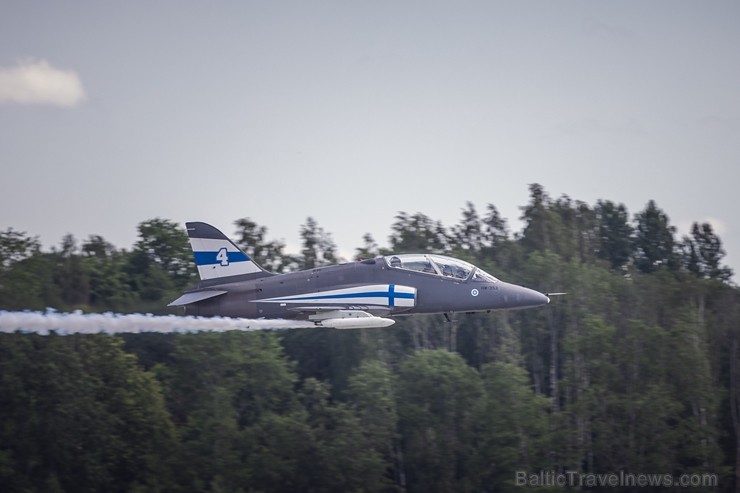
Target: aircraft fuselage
{"x": 371, "y": 285}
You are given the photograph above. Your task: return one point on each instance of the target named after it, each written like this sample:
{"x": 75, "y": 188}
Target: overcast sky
{"x": 112, "y": 113}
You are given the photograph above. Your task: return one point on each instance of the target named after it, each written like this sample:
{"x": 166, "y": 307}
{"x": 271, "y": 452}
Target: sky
{"x": 113, "y": 113}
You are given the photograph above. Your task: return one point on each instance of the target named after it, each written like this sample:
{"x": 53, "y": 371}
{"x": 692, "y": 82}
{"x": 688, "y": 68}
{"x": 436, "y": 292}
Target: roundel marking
{"x": 474, "y": 292}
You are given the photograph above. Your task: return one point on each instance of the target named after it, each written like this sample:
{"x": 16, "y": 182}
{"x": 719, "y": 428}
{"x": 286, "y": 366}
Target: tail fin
{"x": 217, "y": 256}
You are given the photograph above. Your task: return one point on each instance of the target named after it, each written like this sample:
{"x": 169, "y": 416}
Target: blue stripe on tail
{"x": 211, "y": 258}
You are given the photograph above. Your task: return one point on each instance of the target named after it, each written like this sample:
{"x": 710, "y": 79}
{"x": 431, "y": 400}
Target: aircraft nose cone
{"x": 521, "y": 297}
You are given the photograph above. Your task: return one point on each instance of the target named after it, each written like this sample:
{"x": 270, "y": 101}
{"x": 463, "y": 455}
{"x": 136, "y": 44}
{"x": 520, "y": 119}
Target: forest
{"x": 634, "y": 371}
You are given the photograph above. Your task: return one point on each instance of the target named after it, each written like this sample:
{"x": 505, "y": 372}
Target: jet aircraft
{"x": 352, "y": 295}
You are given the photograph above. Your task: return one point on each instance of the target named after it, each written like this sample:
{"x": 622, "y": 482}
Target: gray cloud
{"x": 37, "y": 82}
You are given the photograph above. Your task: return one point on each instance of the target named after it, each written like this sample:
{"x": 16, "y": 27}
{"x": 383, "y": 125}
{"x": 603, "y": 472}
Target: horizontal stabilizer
{"x": 195, "y": 297}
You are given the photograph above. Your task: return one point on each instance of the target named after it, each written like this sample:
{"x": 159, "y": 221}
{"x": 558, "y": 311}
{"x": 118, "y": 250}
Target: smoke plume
{"x": 115, "y": 323}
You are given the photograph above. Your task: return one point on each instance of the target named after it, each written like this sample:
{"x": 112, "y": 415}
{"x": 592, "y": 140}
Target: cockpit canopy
{"x": 439, "y": 265}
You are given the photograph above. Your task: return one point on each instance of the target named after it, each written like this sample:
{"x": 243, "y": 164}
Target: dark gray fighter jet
{"x": 345, "y": 296}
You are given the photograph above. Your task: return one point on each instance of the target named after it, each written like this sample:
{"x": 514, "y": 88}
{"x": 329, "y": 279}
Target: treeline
{"x": 634, "y": 370}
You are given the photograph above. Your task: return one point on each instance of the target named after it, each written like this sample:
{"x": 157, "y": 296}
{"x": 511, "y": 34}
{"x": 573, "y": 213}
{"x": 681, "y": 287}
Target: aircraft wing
{"x": 368, "y": 296}
{"x": 311, "y": 310}
{"x": 349, "y": 308}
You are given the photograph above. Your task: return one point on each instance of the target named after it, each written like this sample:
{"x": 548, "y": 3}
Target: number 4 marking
{"x": 223, "y": 257}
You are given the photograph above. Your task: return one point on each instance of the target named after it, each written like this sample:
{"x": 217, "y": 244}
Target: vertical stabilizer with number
{"x": 217, "y": 256}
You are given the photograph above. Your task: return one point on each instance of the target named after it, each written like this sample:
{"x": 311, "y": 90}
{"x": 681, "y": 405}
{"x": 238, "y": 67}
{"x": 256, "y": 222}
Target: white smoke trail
{"x": 115, "y": 323}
